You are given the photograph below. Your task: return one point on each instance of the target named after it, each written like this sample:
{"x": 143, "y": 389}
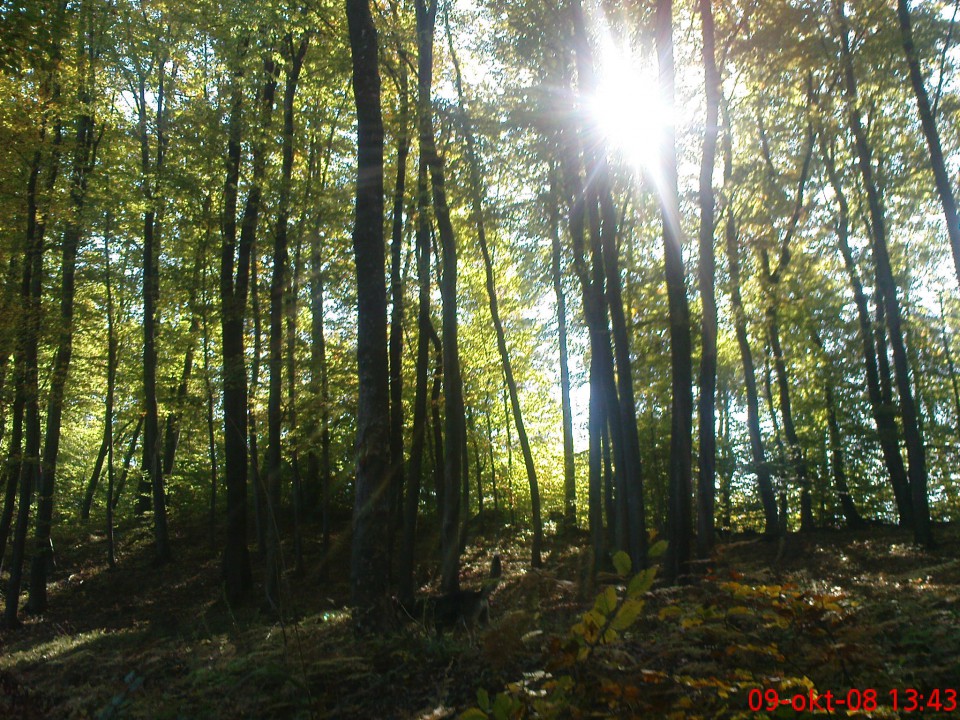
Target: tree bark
{"x": 477, "y": 196}
{"x": 849, "y": 508}
{"x": 569, "y": 473}
{"x": 452, "y": 381}
{"x": 883, "y": 412}
{"x": 930, "y": 133}
{"x": 151, "y": 170}
{"x": 279, "y": 287}
{"x": 679, "y": 520}
{"x": 236, "y": 258}
{"x": 369, "y": 566}
{"x": 916, "y": 453}
{"x": 760, "y": 466}
{"x": 415, "y": 476}
{"x": 397, "y": 464}
{"x": 707, "y": 467}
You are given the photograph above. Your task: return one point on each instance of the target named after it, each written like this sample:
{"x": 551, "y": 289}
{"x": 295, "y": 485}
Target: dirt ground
{"x": 835, "y": 612}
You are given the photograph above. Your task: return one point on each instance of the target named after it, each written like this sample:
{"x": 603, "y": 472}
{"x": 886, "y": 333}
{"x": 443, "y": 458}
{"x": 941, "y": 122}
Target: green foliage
{"x": 616, "y": 609}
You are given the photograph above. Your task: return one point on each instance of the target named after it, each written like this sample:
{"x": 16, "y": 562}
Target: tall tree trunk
{"x": 211, "y": 431}
{"x": 771, "y": 278}
{"x": 415, "y": 476}
{"x": 31, "y": 295}
{"x": 291, "y": 311}
{"x": 171, "y": 431}
{"x": 679, "y": 520}
{"x": 707, "y": 468}
{"x": 883, "y": 412}
{"x": 236, "y": 257}
{"x": 760, "y": 466}
{"x": 916, "y": 453}
{"x": 319, "y": 466}
{"x": 112, "y": 351}
{"x": 794, "y": 452}
{"x": 477, "y": 196}
{"x": 27, "y": 380}
{"x": 278, "y": 290}
{"x": 631, "y": 522}
{"x": 725, "y": 459}
{"x": 929, "y": 124}
{"x": 849, "y": 508}
{"x": 369, "y": 566}
{"x": 83, "y": 161}
{"x": 397, "y": 465}
{"x": 152, "y": 169}
{"x": 258, "y": 479}
{"x": 569, "y": 473}
{"x": 14, "y": 449}
{"x": 452, "y": 382}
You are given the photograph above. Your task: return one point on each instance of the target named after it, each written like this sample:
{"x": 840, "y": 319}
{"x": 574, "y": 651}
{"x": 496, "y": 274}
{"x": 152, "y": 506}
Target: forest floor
{"x": 830, "y": 621}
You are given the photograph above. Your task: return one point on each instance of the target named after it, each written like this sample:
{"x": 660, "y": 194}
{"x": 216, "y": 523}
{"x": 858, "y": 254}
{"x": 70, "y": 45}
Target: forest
{"x": 422, "y": 359}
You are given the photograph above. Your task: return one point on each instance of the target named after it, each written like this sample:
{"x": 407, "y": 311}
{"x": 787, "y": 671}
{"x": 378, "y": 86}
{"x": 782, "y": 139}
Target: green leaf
{"x": 658, "y": 549}
{"x": 606, "y": 601}
{"x": 473, "y": 714}
{"x": 641, "y": 582}
{"x": 628, "y": 614}
{"x": 483, "y": 699}
{"x": 503, "y": 706}
{"x": 621, "y": 561}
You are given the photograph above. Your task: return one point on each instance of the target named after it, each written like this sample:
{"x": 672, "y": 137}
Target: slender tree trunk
{"x": 794, "y": 451}
{"x": 28, "y": 337}
{"x": 171, "y": 431}
{"x": 948, "y": 354}
{"x": 929, "y": 124}
{"x": 679, "y": 520}
{"x": 28, "y": 386}
{"x": 279, "y": 286}
{"x": 97, "y": 471}
{"x": 725, "y": 459}
{"x": 850, "y": 513}
{"x": 14, "y": 459}
{"x": 258, "y": 479}
{"x": 127, "y": 459}
{"x": 476, "y": 195}
{"x": 152, "y": 169}
{"x": 82, "y": 167}
{"x": 415, "y": 476}
{"x": 211, "y": 431}
{"x": 369, "y": 565}
{"x": 760, "y": 466}
{"x": 292, "y": 311}
{"x": 452, "y": 382}
{"x": 397, "y": 465}
{"x": 707, "y": 468}
{"x": 630, "y": 524}
{"x": 493, "y": 469}
{"x": 112, "y": 351}
{"x": 320, "y": 466}
{"x": 883, "y": 412}
{"x": 236, "y": 257}
{"x": 916, "y": 453}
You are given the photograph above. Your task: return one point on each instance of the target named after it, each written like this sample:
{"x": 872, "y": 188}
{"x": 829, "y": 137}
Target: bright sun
{"x": 626, "y": 106}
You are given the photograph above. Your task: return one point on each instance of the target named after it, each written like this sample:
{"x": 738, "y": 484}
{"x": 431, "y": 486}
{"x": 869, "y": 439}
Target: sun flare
{"x": 626, "y": 107}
